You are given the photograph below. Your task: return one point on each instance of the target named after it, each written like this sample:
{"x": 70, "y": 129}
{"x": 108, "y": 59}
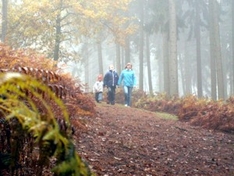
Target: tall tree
{"x": 157, "y": 22}
{"x": 118, "y": 58}
{"x": 127, "y": 44}
{"x": 149, "y": 71}
{"x": 195, "y": 18}
{"x": 141, "y": 45}
{"x": 198, "y": 51}
{"x": 60, "y": 23}
{"x": 232, "y": 49}
{"x": 173, "y": 68}
{"x": 216, "y": 48}
{"x": 58, "y": 32}
{"x": 166, "y": 50}
{"x": 100, "y": 57}
{"x": 212, "y": 58}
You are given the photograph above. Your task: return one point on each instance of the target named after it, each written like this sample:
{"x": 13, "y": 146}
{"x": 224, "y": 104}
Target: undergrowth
{"x": 31, "y": 133}
{"x": 39, "y": 113}
{"x": 45, "y": 70}
{"x": 216, "y": 115}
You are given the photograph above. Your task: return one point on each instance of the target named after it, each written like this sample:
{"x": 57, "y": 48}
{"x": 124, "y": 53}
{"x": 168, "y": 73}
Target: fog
{"x": 178, "y": 47}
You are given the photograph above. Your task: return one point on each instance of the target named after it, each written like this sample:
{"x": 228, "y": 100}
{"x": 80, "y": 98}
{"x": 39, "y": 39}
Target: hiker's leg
{"x": 109, "y": 95}
{"x": 96, "y": 96}
{"x": 125, "y": 95}
{"x": 129, "y": 96}
{"x": 112, "y": 95}
{"x": 100, "y": 96}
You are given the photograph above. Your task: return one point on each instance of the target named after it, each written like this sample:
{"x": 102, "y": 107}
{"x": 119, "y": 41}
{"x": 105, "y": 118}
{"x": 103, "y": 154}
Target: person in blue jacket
{"x": 110, "y": 81}
{"x": 129, "y": 81}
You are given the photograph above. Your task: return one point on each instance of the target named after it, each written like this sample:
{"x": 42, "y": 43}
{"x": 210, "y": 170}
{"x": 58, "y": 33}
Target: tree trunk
{"x": 57, "y": 38}
{"x": 4, "y": 20}
{"x": 216, "y": 49}
{"x": 159, "y": 61}
{"x": 118, "y": 60}
{"x": 127, "y": 51}
{"x": 87, "y": 66}
{"x": 219, "y": 62}
{"x": 148, "y": 64}
{"x": 100, "y": 60}
{"x": 173, "y": 74}
{"x": 212, "y": 56}
{"x": 198, "y": 51}
{"x": 232, "y": 77}
{"x": 141, "y": 47}
{"x": 166, "y": 63}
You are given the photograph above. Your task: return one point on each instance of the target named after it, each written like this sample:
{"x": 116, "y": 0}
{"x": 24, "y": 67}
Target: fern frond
{"x": 16, "y": 87}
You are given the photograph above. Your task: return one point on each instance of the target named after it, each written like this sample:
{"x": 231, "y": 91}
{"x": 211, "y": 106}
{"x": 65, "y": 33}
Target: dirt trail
{"x": 128, "y": 141}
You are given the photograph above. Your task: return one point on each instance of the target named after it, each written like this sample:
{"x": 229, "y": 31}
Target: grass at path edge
{"x": 158, "y": 114}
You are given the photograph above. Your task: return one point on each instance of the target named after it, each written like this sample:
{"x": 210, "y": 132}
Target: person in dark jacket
{"x": 110, "y": 81}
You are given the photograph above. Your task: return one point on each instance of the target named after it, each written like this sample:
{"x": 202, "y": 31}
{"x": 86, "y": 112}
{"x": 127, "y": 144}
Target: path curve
{"x": 127, "y": 141}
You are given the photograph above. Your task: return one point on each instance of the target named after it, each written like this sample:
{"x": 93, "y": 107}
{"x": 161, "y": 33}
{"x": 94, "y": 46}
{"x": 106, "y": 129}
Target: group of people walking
{"x": 111, "y": 80}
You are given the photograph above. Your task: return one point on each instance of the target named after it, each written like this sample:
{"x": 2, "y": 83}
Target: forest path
{"x": 128, "y": 141}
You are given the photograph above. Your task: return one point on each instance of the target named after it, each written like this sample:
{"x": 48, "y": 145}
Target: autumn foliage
{"x": 39, "y": 113}
{"x": 217, "y": 115}
{"x": 45, "y": 70}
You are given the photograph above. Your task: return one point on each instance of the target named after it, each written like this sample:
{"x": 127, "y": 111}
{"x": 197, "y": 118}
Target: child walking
{"x": 98, "y": 88}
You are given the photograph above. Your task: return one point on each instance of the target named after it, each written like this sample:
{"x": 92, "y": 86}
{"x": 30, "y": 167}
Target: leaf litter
{"x": 123, "y": 141}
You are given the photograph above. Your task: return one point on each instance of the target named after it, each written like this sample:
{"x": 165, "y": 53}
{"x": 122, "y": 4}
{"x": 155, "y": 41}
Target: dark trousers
{"x": 111, "y": 95}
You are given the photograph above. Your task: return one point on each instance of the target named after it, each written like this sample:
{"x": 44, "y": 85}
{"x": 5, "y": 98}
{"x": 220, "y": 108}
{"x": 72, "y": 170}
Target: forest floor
{"x": 127, "y": 141}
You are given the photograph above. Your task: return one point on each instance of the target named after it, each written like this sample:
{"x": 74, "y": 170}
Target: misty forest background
{"x": 177, "y": 47}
